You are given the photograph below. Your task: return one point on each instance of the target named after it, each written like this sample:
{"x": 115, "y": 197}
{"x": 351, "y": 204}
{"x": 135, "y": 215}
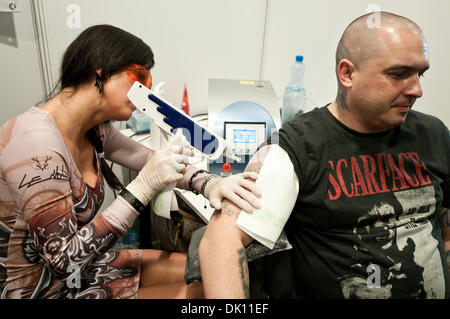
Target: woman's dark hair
{"x": 102, "y": 47}
{"x": 107, "y": 48}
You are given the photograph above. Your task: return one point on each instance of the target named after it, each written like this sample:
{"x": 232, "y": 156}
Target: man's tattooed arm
{"x": 245, "y": 278}
{"x": 223, "y": 261}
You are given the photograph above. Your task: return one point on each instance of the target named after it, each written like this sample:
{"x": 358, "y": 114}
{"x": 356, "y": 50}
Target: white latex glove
{"x": 237, "y": 189}
{"x": 164, "y": 169}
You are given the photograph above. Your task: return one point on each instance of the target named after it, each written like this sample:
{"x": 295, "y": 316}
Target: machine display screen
{"x": 244, "y": 136}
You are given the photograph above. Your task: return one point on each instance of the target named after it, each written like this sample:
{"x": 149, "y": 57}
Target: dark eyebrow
{"x": 401, "y": 67}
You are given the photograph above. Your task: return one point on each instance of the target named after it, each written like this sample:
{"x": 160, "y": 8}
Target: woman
{"x": 53, "y": 244}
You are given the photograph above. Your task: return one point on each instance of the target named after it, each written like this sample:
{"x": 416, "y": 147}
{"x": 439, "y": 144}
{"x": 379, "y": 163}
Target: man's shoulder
{"x": 422, "y": 125}
{"x": 426, "y": 130}
{"x": 424, "y": 122}
{"x": 306, "y": 133}
{"x": 309, "y": 121}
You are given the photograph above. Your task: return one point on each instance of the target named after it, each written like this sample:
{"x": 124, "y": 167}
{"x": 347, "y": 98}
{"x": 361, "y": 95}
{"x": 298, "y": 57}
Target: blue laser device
{"x": 170, "y": 119}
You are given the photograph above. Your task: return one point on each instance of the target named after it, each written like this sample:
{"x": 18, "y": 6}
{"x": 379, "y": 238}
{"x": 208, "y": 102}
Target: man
{"x": 373, "y": 177}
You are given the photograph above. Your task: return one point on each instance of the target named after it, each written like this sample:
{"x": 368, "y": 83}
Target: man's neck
{"x": 344, "y": 115}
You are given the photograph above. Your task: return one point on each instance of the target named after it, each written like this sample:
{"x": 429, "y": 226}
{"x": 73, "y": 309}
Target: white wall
{"x": 20, "y": 79}
{"x": 192, "y": 40}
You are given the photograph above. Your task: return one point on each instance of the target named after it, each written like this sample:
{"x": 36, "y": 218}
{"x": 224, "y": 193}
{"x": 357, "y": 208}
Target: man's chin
{"x": 399, "y": 119}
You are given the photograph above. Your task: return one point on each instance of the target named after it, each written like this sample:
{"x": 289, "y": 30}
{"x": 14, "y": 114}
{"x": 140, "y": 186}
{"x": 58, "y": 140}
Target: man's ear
{"x": 99, "y": 72}
{"x": 345, "y": 71}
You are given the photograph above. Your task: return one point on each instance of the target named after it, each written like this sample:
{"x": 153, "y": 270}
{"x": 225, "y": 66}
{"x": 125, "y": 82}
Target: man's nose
{"x": 413, "y": 87}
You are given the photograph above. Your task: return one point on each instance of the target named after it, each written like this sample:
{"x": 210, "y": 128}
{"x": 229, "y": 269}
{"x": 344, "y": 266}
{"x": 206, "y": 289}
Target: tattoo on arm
{"x": 257, "y": 161}
{"x": 230, "y": 209}
{"x": 245, "y": 279}
{"x": 252, "y": 167}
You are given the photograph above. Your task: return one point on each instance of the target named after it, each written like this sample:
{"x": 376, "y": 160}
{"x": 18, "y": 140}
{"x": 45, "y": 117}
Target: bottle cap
{"x": 299, "y": 58}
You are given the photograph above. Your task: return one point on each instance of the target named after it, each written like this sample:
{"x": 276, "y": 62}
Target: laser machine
{"x": 244, "y": 114}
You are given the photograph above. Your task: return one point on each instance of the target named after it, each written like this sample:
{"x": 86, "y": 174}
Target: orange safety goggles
{"x": 136, "y": 72}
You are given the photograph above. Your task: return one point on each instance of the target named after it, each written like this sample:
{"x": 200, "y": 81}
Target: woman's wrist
{"x": 208, "y": 183}
{"x": 119, "y": 214}
{"x": 191, "y": 182}
{"x": 134, "y": 197}
{"x": 184, "y": 182}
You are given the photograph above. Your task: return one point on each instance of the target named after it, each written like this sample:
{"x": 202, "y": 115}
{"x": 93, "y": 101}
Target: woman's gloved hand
{"x": 236, "y": 188}
{"x": 164, "y": 169}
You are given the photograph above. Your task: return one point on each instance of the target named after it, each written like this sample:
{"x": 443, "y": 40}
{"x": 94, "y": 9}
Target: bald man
{"x": 370, "y": 217}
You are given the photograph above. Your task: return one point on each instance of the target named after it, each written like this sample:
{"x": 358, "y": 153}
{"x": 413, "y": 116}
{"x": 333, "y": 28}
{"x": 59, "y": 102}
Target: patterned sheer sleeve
{"x": 39, "y": 172}
{"x": 123, "y": 150}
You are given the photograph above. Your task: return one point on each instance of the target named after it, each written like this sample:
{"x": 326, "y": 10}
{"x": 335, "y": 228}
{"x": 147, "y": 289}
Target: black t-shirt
{"x": 365, "y": 224}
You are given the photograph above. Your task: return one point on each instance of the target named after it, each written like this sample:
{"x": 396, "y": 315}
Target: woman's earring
{"x": 98, "y": 83}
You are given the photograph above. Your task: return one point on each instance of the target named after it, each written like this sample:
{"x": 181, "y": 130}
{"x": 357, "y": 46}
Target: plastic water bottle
{"x": 294, "y": 95}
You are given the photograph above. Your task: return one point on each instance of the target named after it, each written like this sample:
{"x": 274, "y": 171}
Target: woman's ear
{"x": 345, "y": 71}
